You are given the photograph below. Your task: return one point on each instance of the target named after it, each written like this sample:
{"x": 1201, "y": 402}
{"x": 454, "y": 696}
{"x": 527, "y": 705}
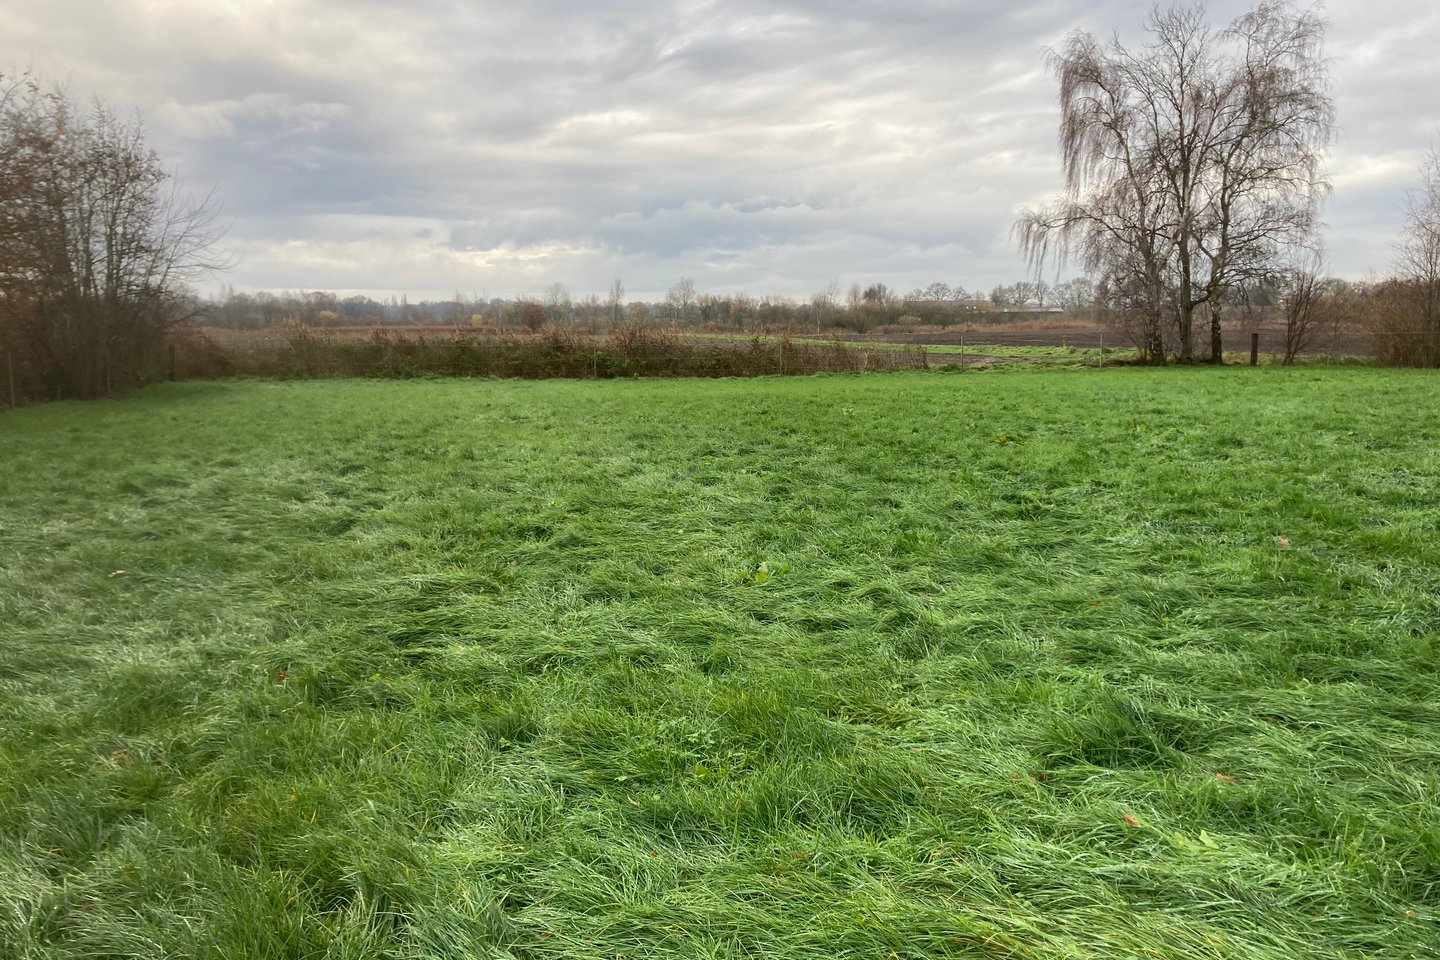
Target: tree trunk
{"x": 1154, "y": 333}
{"x": 1216, "y": 353}
{"x": 1187, "y": 332}
{"x": 1154, "y": 340}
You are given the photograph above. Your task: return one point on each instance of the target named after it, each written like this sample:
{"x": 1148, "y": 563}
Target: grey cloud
{"x": 753, "y": 145}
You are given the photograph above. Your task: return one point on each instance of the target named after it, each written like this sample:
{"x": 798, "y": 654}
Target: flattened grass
{"x": 1127, "y": 664}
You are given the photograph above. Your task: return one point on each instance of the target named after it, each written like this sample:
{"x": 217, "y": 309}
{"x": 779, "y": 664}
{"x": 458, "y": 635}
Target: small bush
{"x": 1402, "y": 329}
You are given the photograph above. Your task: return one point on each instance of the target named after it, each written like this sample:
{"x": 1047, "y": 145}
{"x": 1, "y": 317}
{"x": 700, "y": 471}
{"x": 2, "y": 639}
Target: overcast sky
{"x": 495, "y": 148}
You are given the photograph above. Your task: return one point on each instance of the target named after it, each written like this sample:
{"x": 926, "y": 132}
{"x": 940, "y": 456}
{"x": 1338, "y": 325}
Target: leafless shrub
{"x": 633, "y": 350}
{"x": 1312, "y": 306}
{"x": 97, "y": 242}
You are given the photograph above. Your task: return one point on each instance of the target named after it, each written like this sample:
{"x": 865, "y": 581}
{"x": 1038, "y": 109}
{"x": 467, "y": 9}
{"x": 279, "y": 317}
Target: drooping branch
{"x": 1191, "y": 162}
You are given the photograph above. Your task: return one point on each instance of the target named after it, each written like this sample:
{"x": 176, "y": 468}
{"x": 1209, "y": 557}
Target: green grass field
{"x": 1023, "y": 664}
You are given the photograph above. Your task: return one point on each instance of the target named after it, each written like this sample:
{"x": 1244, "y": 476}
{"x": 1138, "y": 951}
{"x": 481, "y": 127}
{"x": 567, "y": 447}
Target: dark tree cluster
{"x": 97, "y": 242}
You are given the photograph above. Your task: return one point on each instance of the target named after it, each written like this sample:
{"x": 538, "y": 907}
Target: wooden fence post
{"x": 1254, "y": 349}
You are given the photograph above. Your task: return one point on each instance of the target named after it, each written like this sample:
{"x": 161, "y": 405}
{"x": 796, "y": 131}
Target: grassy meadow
{"x": 1018, "y": 664}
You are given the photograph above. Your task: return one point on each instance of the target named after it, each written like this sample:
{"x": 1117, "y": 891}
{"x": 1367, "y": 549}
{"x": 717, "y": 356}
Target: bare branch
{"x": 1189, "y": 164}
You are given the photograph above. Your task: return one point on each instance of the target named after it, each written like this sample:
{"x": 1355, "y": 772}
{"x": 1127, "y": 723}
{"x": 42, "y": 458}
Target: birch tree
{"x": 1419, "y": 257}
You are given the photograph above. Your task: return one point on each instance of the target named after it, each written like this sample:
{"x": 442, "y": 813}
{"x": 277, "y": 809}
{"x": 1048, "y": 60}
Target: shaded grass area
{"x": 1046, "y": 664}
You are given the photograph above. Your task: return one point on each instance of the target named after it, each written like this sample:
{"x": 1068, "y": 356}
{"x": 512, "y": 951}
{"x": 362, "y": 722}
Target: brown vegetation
{"x": 95, "y": 246}
{"x": 633, "y": 350}
{"x": 1398, "y": 316}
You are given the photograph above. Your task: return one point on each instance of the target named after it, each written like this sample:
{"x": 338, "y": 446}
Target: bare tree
{"x": 1307, "y": 303}
{"x": 709, "y": 307}
{"x": 616, "y": 300}
{"x": 680, "y": 299}
{"x": 558, "y": 305}
{"x": 1113, "y": 217}
{"x": 531, "y": 315}
{"x": 742, "y": 307}
{"x": 590, "y": 311}
{"x": 1190, "y": 163}
{"x": 98, "y": 243}
{"x": 1274, "y": 119}
{"x": 1418, "y": 257}
{"x": 879, "y": 293}
{"x": 1075, "y": 296}
{"x": 825, "y": 302}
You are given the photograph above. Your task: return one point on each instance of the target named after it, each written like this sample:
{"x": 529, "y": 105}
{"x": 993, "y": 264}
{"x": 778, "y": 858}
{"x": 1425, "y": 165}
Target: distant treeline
{"x": 1305, "y": 310}
{"x": 862, "y": 309}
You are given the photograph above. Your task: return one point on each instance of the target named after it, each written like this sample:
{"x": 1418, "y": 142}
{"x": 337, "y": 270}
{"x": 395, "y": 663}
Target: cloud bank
{"x": 760, "y": 147}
